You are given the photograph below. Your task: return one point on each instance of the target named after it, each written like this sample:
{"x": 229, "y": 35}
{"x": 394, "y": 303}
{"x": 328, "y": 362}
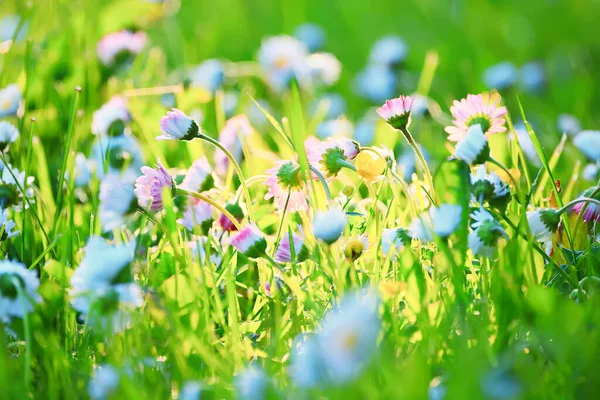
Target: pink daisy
{"x": 324, "y": 155}
{"x": 284, "y": 251}
{"x": 198, "y": 177}
{"x": 250, "y": 241}
{"x": 482, "y": 109}
{"x": 229, "y": 138}
{"x": 284, "y": 181}
{"x": 111, "y": 45}
{"x": 592, "y": 211}
{"x": 197, "y": 213}
{"x": 149, "y": 186}
{"x": 396, "y": 112}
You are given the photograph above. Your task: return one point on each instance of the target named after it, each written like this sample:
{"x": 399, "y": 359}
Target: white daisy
{"x": 590, "y": 172}
{"x": 111, "y": 118}
{"x": 393, "y": 240}
{"x": 10, "y": 98}
{"x": 7, "y": 225}
{"x": 284, "y": 58}
{"x": 11, "y": 182}
{"x": 104, "y": 382}
{"x": 117, "y": 199}
{"x": 82, "y": 170}
{"x": 445, "y": 218}
{"x": 8, "y": 134}
{"x": 543, "y": 223}
{"x": 483, "y": 239}
{"x": 569, "y": 124}
{"x": 473, "y": 148}
{"x": 198, "y": 177}
{"x": 325, "y": 68}
{"x": 13, "y": 304}
{"x": 117, "y": 154}
{"x": 588, "y": 142}
{"x": 252, "y": 384}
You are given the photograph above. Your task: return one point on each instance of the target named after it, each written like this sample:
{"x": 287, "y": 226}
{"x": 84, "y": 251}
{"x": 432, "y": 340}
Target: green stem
{"x": 219, "y": 207}
{"x": 238, "y": 170}
{"x": 411, "y": 141}
{"x": 23, "y": 298}
{"x": 503, "y": 168}
{"x": 577, "y": 201}
{"x": 322, "y": 180}
{"x": 346, "y": 164}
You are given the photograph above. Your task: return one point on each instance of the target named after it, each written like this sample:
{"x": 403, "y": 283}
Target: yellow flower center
{"x": 281, "y": 62}
{"x": 5, "y": 104}
{"x": 350, "y": 340}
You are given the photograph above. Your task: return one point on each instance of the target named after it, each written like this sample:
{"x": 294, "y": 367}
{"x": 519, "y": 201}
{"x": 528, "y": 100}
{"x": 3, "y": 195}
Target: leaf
{"x": 58, "y": 271}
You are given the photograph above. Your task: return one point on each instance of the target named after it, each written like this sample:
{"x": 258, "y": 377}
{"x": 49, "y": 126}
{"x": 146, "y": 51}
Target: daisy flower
{"x": 149, "y": 186}
{"x": 198, "y": 177}
{"x": 8, "y": 134}
{"x": 489, "y": 187}
{"x": 329, "y": 225}
{"x": 250, "y": 241}
{"x": 117, "y": 154}
{"x": 533, "y": 76}
{"x": 209, "y": 75}
{"x": 313, "y": 36}
{"x": 197, "y": 213}
{"x": 473, "y": 148}
{"x": 10, "y": 99}
{"x": 11, "y": 180}
{"x": 230, "y": 139}
{"x": 111, "y": 118}
{"x": 235, "y": 210}
{"x": 588, "y": 142}
{"x": 396, "y": 112}
{"x": 324, "y": 68}
{"x": 590, "y": 172}
{"x": 6, "y": 226}
{"x": 115, "y": 44}
{"x": 568, "y": 124}
{"x": 284, "y": 251}
{"x": 393, "y": 240}
{"x": 376, "y": 83}
{"x": 284, "y": 58}
{"x": 178, "y": 126}
{"x": 198, "y": 248}
{"x": 13, "y": 304}
{"x": 105, "y": 381}
{"x": 483, "y": 239}
{"x": 307, "y": 368}
{"x": 389, "y": 51}
{"x": 482, "y": 109}
{"x": 332, "y": 155}
{"x": 441, "y": 221}
{"x": 286, "y": 187}
{"x": 592, "y": 211}
{"x": 117, "y": 199}
{"x": 543, "y": 223}
{"x": 355, "y": 247}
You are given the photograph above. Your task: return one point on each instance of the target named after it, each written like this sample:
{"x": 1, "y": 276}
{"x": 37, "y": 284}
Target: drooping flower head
{"x": 286, "y": 187}
{"x": 12, "y": 181}
{"x": 284, "y": 251}
{"x": 490, "y": 188}
{"x": 483, "y": 239}
{"x": 473, "y": 148}
{"x": 8, "y": 134}
{"x": 396, "y": 112}
{"x": 10, "y": 98}
{"x": 17, "y": 302}
{"x": 355, "y": 247}
{"x": 331, "y": 155}
{"x": 482, "y": 109}
{"x": 592, "y": 211}
{"x": 230, "y": 139}
{"x": 198, "y": 177}
{"x": 236, "y": 211}
{"x": 198, "y": 213}
{"x": 329, "y": 225}
{"x": 120, "y": 45}
{"x": 178, "y": 126}
{"x": 149, "y": 187}
{"x": 111, "y": 118}
{"x": 250, "y": 241}
{"x": 543, "y": 223}
{"x": 117, "y": 199}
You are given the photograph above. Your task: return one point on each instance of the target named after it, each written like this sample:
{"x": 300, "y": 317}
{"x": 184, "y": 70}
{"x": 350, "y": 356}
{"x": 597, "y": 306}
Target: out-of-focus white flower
{"x": 569, "y": 124}
{"x": 198, "y": 246}
{"x": 230, "y": 139}
{"x": 111, "y": 118}
{"x": 543, "y": 223}
{"x": 104, "y": 382}
{"x": 489, "y": 187}
{"x": 312, "y": 35}
{"x": 334, "y": 103}
{"x": 7, "y": 225}
{"x": 116, "y": 201}
{"x": 82, "y": 170}
{"x": 11, "y": 182}
{"x": 284, "y": 58}
{"x": 307, "y": 368}
{"x": 8, "y": 134}
{"x": 16, "y": 303}
{"x": 329, "y": 225}
{"x": 178, "y": 126}
{"x": 117, "y": 154}
{"x": 445, "y": 218}
{"x": 588, "y": 142}
{"x": 407, "y": 162}
{"x": 389, "y": 51}
{"x": 473, "y": 148}
{"x": 376, "y": 83}
{"x": 191, "y": 390}
{"x": 364, "y": 132}
{"x": 209, "y": 75}
{"x": 325, "y": 68}
{"x": 10, "y": 98}
{"x": 500, "y": 76}
{"x": 335, "y": 127}
{"x": 117, "y": 43}
{"x": 252, "y": 383}
{"x": 590, "y": 172}
{"x": 348, "y": 338}
{"x": 483, "y": 239}
{"x": 198, "y": 177}
{"x": 533, "y": 76}
{"x": 8, "y": 28}
{"x": 393, "y": 240}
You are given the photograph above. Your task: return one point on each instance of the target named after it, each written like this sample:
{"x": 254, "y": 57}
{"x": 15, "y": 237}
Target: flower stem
{"x": 322, "y": 180}
{"x": 411, "y": 141}
{"x": 577, "y": 201}
{"x": 503, "y": 168}
{"x": 346, "y": 164}
{"x": 219, "y": 207}
{"x": 238, "y": 170}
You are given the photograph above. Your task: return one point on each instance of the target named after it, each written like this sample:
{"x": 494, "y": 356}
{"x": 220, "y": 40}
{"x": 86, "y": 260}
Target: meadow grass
{"x": 429, "y": 318}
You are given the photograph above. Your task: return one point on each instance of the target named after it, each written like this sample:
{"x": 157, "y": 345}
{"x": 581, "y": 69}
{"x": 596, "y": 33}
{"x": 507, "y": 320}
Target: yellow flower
{"x": 369, "y": 165}
{"x": 355, "y": 247}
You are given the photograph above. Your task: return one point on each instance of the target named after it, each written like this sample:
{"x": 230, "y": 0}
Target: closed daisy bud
{"x": 396, "y": 112}
{"x": 236, "y": 211}
{"x": 149, "y": 186}
{"x": 8, "y": 134}
{"x": 355, "y": 247}
{"x": 178, "y": 126}
{"x": 473, "y": 148}
{"x": 284, "y": 251}
{"x": 329, "y": 225}
{"x": 592, "y": 211}
{"x": 369, "y": 165}
{"x": 117, "y": 46}
{"x": 250, "y": 241}
{"x": 483, "y": 239}
{"x": 543, "y": 223}
{"x": 446, "y": 219}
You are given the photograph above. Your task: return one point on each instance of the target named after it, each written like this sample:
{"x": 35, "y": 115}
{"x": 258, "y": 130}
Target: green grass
{"x": 521, "y": 323}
